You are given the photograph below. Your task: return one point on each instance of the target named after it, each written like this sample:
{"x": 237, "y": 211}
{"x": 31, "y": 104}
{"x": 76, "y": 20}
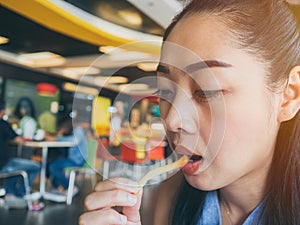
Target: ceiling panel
{"x": 120, "y": 12}
{"x": 53, "y": 26}
{"x": 26, "y": 36}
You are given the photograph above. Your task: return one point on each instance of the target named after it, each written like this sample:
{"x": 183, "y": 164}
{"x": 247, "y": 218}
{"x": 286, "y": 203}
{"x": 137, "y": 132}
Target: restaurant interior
{"x": 93, "y": 61}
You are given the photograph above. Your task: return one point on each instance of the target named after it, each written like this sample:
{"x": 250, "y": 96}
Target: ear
{"x": 291, "y": 96}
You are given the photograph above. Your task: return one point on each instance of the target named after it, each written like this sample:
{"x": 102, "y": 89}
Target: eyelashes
{"x": 205, "y": 96}
{"x": 198, "y": 95}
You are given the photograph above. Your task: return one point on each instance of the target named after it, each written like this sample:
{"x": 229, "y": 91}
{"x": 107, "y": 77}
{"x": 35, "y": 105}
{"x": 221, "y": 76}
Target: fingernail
{"x": 131, "y": 186}
{"x": 132, "y": 198}
{"x": 123, "y": 219}
{"x": 134, "y": 190}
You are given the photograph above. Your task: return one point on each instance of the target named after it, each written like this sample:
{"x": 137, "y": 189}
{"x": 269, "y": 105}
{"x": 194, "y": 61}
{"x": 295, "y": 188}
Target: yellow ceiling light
{"x": 124, "y": 53}
{"x": 131, "y": 17}
{"x": 117, "y": 80}
{"x": 75, "y": 72}
{"x": 148, "y": 66}
{"x": 41, "y": 59}
{"x": 82, "y": 70}
{"x": 110, "y": 80}
{"x": 3, "y": 40}
{"x": 65, "y": 73}
{"x": 106, "y": 49}
{"x": 133, "y": 87}
{"x": 128, "y": 55}
{"x": 79, "y": 88}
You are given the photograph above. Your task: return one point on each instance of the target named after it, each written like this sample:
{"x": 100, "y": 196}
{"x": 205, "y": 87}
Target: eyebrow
{"x": 196, "y": 66}
{"x": 205, "y": 64}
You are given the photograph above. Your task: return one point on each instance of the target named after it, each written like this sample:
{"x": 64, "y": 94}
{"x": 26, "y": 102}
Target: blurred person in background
{"x": 25, "y": 111}
{"x": 117, "y": 115}
{"x": 14, "y": 187}
{"x": 75, "y": 156}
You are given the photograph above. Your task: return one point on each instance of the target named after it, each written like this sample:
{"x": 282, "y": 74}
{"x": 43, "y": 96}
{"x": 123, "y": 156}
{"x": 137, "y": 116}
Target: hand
{"x": 49, "y": 137}
{"x": 61, "y": 131}
{"x": 19, "y": 140}
{"x": 110, "y": 193}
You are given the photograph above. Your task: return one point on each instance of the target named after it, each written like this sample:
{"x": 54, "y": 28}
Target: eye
{"x": 205, "y": 96}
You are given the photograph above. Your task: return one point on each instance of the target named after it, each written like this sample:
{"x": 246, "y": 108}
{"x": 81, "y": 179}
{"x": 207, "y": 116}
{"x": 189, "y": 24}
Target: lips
{"x": 195, "y": 160}
{"x": 193, "y": 165}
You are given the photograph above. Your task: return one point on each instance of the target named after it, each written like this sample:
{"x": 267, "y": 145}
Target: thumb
{"x": 133, "y": 212}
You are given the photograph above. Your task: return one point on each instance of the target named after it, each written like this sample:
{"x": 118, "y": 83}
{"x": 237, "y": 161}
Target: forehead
{"x": 204, "y": 38}
{"x": 203, "y": 35}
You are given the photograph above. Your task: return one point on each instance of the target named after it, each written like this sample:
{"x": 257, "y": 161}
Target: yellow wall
{"x": 100, "y": 116}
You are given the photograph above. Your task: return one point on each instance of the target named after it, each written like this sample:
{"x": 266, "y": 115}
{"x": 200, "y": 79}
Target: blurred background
{"x": 94, "y": 61}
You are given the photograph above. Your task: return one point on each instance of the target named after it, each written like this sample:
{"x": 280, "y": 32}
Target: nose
{"x": 182, "y": 115}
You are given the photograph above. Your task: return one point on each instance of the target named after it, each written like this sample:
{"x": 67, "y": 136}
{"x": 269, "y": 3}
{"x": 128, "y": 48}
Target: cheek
{"x": 212, "y": 123}
{"x": 252, "y": 126}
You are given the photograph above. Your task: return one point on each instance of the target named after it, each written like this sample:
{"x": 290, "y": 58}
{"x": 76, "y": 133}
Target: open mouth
{"x": 194, "y": 164}
{"x": 195, "y": 158}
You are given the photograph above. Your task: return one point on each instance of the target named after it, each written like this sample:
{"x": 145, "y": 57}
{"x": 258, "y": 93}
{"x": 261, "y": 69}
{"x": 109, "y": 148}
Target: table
{"x": 44, "y": 145}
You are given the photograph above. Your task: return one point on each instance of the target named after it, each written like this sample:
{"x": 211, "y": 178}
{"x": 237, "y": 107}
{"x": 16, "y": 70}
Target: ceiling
{"x": 81, "y": 33}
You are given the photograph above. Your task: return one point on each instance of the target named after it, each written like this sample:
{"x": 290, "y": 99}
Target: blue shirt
{"x": 78, "y": 152}
{"x": 212, "y": 214}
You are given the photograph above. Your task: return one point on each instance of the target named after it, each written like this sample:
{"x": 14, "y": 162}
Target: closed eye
{"x": 207, "y": 95}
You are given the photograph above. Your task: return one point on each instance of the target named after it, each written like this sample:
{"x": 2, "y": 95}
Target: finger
{"x": 99, "y": 200}
{"x": 117, "y": 183}
{"x": 102, "y": 217}
{"x": 133, "y": 212}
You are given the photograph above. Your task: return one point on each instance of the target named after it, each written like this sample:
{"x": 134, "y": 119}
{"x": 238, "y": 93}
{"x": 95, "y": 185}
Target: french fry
{"x": 163, "y": 169}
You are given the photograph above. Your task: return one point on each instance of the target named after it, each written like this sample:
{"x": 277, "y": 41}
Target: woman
{"x": 241, "y": 100}
{"x": 25, "y": 111}
{"x": 15, "y": 189}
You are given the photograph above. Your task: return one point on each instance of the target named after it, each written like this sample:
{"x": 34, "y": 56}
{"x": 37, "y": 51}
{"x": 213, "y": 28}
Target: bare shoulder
{"x": 166, "y": 195}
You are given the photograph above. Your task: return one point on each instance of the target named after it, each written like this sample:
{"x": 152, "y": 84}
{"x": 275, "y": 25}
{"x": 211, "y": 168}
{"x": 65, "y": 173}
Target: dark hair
{"x": 18, "y": 107}
{"x": 2, "y": 105}
{"x": 267, "y": 29}
{"x": 66, "y": 123}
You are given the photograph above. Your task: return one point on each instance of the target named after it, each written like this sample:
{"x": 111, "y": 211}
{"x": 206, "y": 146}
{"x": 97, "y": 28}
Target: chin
{"x": 201, "y": 183}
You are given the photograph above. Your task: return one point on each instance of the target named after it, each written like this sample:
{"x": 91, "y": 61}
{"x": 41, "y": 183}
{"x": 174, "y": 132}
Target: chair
{"x": 133, "y": 154}
{"x": 155, "y": 148}
{"x": 25, "y": 181}
{"x": 87, "y": 168}
{"x": 128, "y": 151}
{"x": 105, "y": 156}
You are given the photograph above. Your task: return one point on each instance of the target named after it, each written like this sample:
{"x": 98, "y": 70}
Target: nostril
{"x": 180, "y": 116}
{"x": 186, "y": 125}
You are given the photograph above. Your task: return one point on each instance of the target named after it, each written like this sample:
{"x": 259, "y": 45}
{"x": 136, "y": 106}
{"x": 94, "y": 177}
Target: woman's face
{"x": 25, "y": 108}
{"x": 223, "y": 114}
